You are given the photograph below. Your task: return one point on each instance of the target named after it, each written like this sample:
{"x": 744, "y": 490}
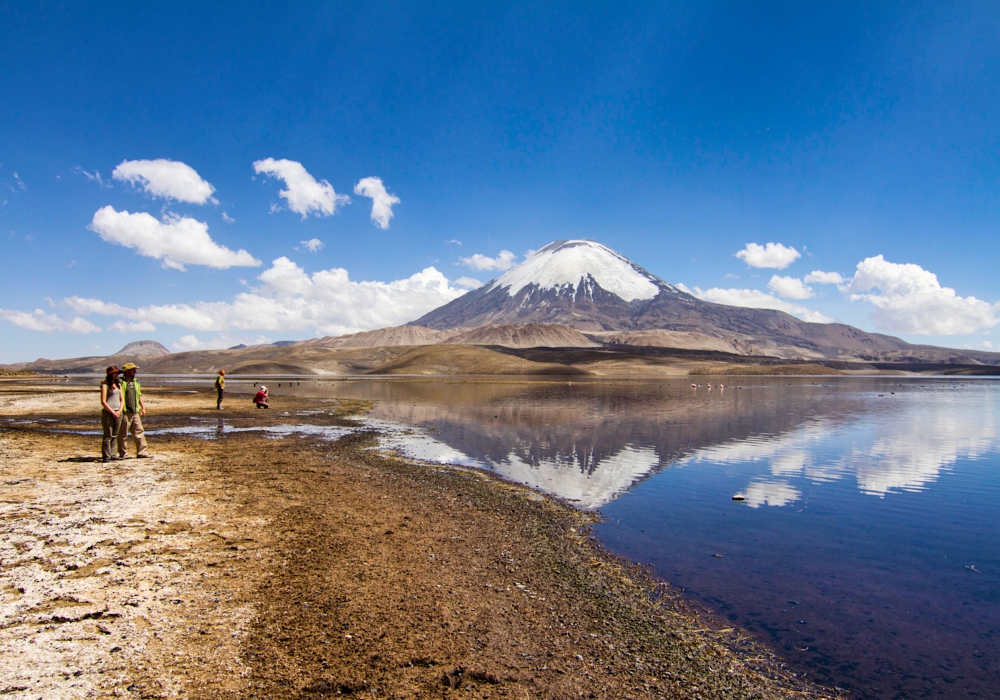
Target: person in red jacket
{"x": 261, "y": 397}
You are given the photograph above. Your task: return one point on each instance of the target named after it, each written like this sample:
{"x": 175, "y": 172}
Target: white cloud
{"x": 755, "y": 299}
{"x": 190, "y": 342}
{"x": 789, "y": 287}
{"x": 911, "y": 300}
{"x": 20, "y": 182}
{"x": 504, "y": 261}
{"x": 820, "y": 277}
{"x": 169, "y": 179}
{"x": 382, "y": 201}
{"x": 312, "y": 245}
{"x": 46, "y": 323}
{"x": 771, "y": 493}
{"x": 773, "y": 255}
{"x": 93, "y": 177}
{"x": 988, "y": 345}
{"x": 86, "y": 307}
{"x": 288, "y": 299}
{"x": 304, "y": 194}
{"x": 129, "y": 327}
{"x": 468, "y": 282}
{"x": 453, "y": 241}
{"x": 227, "y": 218}
{"x": 221, "y": 341}
{"x": 177, "y": 241}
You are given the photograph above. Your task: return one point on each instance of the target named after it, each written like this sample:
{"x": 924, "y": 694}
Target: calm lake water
{"x": 866, "y": 551}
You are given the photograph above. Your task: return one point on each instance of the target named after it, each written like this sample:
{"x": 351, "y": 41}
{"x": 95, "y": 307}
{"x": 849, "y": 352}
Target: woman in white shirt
{"x": 111, "y": 415}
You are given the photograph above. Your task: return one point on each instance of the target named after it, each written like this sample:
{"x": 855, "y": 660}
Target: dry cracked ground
{"x": 277, "y": 554}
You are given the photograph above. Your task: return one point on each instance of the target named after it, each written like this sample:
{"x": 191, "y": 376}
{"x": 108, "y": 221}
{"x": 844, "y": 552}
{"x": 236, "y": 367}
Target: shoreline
{"x": 305, "y": 566}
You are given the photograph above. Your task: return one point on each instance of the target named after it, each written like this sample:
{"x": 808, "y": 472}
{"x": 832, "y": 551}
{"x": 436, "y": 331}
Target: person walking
{"x": 111, "y": 413}
{"x": 220, "y": 386}
{"x": 134, "y": 410}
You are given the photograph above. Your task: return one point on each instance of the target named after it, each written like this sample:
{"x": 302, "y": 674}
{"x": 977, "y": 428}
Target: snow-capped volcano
{"x": 591, "y": 288}
{"x": 578, "y": 283}
{"x": 568, "y": 265}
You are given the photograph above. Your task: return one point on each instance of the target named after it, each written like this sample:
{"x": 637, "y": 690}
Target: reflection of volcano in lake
{"x": 866, "y": 543}
{"x": 590, "y": 442}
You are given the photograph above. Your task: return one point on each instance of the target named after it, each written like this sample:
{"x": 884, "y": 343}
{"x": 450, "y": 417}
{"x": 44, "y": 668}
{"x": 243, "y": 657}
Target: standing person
{"x": 111, "y": 413}
{"x": 133, "y": 411}
{"x": 220, "y": 386}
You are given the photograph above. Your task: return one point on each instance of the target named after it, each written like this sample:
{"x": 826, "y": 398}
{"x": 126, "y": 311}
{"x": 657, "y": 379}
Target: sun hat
{"x": 129, "y": 365}
{"x": 263, "y": 388}
{"x": 111, "y": 369}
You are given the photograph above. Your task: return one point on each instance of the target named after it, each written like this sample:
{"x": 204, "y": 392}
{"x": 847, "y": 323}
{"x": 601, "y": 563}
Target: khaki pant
{"x": 131, "y": 421}
{"x": 110, "y": 427}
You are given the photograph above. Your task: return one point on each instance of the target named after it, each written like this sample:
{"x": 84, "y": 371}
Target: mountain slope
{"x": 526, "y": 335}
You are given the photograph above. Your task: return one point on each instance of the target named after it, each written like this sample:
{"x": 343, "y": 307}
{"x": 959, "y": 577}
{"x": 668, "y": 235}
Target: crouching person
{"x": 134, "y": 410}
{"x": 260, "y": 399}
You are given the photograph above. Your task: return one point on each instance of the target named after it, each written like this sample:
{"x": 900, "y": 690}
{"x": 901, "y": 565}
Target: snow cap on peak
{"x": 569, "y": 263}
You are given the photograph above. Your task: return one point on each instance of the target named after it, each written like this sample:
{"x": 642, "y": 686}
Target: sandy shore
{"x": 242, "y": 562}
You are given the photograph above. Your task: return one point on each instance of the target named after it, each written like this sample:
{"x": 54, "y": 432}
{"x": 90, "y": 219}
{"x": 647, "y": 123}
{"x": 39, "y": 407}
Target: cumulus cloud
{"x": 289, "y": 299}
{"x": 909, "y": 299}
{"x": 312, "y": 245}
{"x": 169, "y": 179}
{"x": 177, "y": 241}
{"x": 46, "y": 323}
{"x": 382, "y": 201}
{"x": 789, "y": 287}
{"x": 129, "y": 327}
{"x": 504, "y": 261}
{"x": 304, "y": 195}
{"x": 772, "y": 255}
{"x": 820, "y": 277}
{"x": 756, "y": 299}
{"x": 468, "y": 282}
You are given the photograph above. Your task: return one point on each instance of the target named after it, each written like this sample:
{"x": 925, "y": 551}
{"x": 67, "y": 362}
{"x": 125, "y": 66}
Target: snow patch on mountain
{"x": 568, "y": 264}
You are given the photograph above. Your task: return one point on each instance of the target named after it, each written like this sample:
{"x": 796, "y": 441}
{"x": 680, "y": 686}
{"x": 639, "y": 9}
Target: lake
{"x": 865, "y": 551}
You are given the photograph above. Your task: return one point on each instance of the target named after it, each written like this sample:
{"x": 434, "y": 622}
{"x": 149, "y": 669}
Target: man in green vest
{"x": 132, "y": 412}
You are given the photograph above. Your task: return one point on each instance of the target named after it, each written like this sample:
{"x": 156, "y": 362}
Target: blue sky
{"x": 676, "y": 134}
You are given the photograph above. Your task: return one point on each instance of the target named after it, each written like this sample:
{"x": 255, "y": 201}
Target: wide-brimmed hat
{"x": 111, "y": 369}
{"x": 129, "y": 365}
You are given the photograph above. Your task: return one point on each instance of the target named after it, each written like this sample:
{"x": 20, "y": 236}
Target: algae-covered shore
{"x": 240, "y": 562}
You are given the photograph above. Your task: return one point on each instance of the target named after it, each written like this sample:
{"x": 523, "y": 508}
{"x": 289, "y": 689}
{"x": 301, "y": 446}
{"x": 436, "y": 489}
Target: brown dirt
{"x": 298, "y": 568}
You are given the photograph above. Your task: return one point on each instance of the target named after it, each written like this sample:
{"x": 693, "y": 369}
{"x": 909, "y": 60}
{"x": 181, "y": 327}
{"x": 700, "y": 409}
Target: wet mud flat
{"x": 246, "y": 559}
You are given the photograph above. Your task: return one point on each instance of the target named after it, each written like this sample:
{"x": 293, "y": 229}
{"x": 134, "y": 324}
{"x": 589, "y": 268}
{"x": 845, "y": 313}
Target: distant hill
{"x": 143, "y": 348}
{"x": 383, "y": 337}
